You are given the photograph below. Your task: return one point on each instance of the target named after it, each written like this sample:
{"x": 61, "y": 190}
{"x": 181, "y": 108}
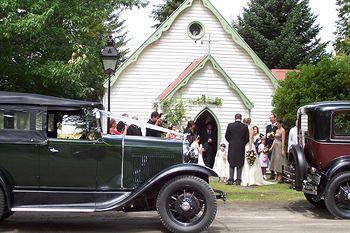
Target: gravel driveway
{"x": 232, "y": 217}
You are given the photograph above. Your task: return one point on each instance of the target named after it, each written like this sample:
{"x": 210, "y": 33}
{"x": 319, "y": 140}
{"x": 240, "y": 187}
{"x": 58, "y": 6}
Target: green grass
{"x": 274, "y": 192}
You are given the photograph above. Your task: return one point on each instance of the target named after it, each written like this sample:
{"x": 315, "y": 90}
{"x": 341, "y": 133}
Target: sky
{"x": 139, "y": 23}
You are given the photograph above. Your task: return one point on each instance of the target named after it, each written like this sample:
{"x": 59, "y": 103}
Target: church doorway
{"x": 208, "y": 127}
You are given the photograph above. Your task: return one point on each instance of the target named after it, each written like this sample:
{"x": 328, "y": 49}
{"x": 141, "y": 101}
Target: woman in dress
{"x": 277, "y": 151}
{"x": 252, "y": 175}
{"x": 256, "y": 137}
{"x": 198, "y": 150}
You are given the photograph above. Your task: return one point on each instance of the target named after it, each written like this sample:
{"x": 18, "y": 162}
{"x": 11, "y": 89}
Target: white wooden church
{"x": 195, "y": 52}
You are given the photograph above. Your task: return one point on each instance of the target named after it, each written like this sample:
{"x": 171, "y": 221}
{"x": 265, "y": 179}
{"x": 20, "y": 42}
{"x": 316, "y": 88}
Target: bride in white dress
{"x": 252, "y": 175}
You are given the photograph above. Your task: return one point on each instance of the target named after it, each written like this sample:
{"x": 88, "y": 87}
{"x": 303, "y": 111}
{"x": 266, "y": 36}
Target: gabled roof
{"x": 167, "y": 24}
{"x": 181, "y": 77}
{"x": 193, "y": 68}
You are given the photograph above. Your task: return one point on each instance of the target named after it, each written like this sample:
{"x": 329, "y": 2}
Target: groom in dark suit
{"x": 237, "y": 135}
{"x": 208, "y": 140}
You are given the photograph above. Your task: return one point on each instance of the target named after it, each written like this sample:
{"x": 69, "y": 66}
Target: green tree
{"x": 52, "y": 46}
{"x": 342, "y": 43}
{"x": 162, "y": 11}
{"x": 283, "y": 33}
{"x": 329, "y": 79}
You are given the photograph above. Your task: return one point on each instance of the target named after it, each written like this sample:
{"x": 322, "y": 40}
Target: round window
{"x": 196, "y": 30}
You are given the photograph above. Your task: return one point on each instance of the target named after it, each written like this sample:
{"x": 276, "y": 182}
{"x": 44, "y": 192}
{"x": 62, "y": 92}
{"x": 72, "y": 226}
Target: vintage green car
{"x": 54, "y": 157}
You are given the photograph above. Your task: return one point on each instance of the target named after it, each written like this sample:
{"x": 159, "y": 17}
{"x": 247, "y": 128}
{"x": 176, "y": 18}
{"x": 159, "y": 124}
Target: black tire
{"x": 185, "y": 192}
{"x": 2, "y": 203}
{"x": 312, "y": 200}
{"x": 6, "y": 215}
{"x": 337, "y": 196}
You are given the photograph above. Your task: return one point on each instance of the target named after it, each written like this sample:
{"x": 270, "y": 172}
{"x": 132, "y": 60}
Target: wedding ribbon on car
{"x": 128, "y": 121}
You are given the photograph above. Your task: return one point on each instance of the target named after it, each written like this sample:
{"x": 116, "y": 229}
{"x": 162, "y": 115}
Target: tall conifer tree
{"x": 342, "y": 43}
{"x": 282, "y": 32}
{"x": 162, "y": 11}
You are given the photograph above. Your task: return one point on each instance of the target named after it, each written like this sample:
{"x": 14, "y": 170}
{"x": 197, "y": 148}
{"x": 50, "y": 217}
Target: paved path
{"x": 232, "y": 217}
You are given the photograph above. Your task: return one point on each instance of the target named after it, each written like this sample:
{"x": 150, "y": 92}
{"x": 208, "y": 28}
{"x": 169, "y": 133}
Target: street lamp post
{"x": 109, "y": 57}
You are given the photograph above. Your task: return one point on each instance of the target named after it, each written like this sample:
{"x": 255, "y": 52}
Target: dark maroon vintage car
{"x": 319, "y": 165}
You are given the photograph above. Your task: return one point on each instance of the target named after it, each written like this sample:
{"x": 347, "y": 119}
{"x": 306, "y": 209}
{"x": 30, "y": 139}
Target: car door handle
{"x": 53, "y": 150}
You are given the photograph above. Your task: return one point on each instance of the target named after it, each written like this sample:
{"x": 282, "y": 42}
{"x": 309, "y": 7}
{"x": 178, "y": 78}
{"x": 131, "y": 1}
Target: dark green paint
{"x": 21, "y": 164}
{"x": 145, "y": 158}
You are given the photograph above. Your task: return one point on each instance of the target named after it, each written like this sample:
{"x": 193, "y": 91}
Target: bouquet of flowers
{"x": 271, "y": 135}
{"x": 251, "y": 157}
{"x": 265, "y": 150}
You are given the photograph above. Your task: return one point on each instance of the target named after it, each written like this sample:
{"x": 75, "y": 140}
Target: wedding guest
{"x": 256, "y": 137}
{"x": 171, "y": 135}
{"x": 278, "y": 151}
{"x": 191, "y": 131}
{"x": 134, "y": 130}
{"x": 270, "y": 131}
{"x": 121, "y": 125}
{"x": 263, "y": 156}
{"x": 112, "y": 127}
{"x": 198, "y": 150}
{"x": 221, "y": 164}
{"x": 154, "y": 120}
{"x": 208, "y": 140}
{"x": 293, "y": 136}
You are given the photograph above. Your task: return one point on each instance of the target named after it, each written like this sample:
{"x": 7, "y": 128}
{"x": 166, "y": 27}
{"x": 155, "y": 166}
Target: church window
{"x": 196, "y": 30}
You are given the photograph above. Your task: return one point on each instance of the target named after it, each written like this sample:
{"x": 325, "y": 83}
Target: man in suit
{"x": 271, "y": 128}
{"x": 157, "y": 121}
{"x": 237, "y": 135}
{"x": 208, "y": 140}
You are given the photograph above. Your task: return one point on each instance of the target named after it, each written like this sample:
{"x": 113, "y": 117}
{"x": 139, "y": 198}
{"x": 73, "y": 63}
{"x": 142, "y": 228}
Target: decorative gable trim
{"x": 179, "y": 83}
{"x": 167, "y": 24}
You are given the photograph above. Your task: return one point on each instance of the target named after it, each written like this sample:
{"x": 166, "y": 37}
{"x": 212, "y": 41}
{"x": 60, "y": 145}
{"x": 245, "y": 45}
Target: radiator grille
{"x": 146, "y": 166}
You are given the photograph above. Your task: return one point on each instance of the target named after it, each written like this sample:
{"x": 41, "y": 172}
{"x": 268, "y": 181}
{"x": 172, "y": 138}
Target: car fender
{"x": 163, "y": 176}
{"x": 339, "y": 165}
{"x": 297, "y": 153}
{"x": 4, "y": 185}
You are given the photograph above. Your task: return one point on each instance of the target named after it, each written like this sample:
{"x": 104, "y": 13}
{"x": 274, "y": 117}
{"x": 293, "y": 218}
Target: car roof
{"x": 326, "y": 106}
{"x": 17, "y": 98}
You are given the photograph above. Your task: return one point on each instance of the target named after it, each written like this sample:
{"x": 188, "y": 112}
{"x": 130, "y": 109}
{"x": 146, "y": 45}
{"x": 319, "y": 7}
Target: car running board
{"x": 54, "y": 208}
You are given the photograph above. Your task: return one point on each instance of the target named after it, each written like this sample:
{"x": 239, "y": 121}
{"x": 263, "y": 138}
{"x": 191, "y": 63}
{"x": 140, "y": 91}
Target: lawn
{"x": 274, "y": 192}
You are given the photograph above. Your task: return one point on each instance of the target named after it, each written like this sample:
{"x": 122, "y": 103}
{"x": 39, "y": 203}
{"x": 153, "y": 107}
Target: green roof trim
{"x": 239, "y": 40}
{"x": 247, "y": 103}
{"x": 167, "y": 24}
{"x": 154, "y": 37}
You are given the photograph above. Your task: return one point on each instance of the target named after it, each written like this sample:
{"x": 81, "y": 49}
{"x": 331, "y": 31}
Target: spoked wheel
{"x": 186, "y": 204}
{"x": 337, "y": 197}
{"x": 312, "y": 199}
{"x": 2, "y": 204}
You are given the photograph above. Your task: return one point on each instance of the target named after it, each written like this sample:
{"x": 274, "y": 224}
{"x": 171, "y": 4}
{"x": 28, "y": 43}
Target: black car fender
{"x": 297, "y": 154}
{"x": 160, "y": 178}
{"x": 5, "y": 187}
{"x": 339, "y": 165}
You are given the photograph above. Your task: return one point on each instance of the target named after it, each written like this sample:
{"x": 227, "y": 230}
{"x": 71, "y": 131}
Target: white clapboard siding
{"x": 160, "y": 63}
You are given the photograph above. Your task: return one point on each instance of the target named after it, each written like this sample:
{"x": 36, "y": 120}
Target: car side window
{"x": 71, "y": 125}
{"x": 16, "y": 120}
{"x": 341, "y": 125}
